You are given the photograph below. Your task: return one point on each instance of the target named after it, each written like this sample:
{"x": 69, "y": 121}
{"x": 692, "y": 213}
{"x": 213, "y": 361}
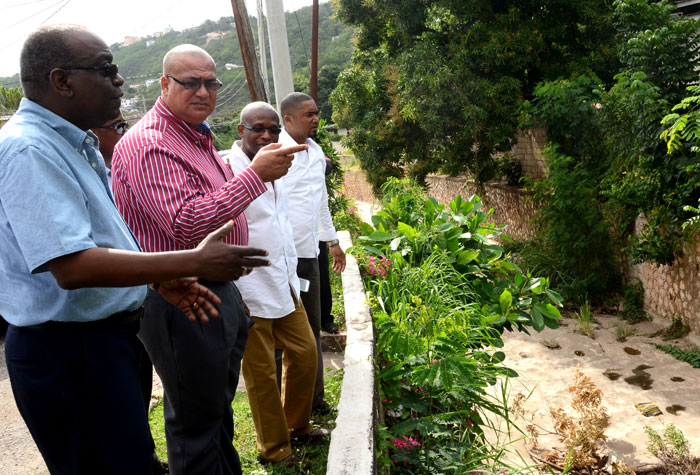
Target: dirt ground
{"x": 629, "y": 372}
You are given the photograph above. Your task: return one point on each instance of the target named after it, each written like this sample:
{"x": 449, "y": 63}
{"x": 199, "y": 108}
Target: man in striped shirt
{"x": 172, "y": 188}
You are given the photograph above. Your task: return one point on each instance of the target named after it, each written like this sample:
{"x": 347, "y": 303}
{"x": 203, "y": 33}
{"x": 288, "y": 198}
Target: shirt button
{"x": 94, "y": 165}
{"x": 87, "y": 140}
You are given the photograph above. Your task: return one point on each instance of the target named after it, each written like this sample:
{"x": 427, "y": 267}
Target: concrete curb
{"x": 351, "y": 449}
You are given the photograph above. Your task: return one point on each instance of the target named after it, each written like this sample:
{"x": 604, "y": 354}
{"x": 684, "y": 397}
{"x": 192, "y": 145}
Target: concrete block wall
{"x": 351, "y": 450}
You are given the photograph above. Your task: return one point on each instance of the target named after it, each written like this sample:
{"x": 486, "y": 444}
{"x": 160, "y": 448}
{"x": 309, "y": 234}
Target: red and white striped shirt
{"x": 173, "y": 189}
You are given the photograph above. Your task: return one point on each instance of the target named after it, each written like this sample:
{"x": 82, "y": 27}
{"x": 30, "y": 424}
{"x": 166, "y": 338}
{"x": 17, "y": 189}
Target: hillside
{"x": 141, "y": 63}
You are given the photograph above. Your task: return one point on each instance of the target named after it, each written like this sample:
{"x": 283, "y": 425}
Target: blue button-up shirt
{"x": 54, "y": 201}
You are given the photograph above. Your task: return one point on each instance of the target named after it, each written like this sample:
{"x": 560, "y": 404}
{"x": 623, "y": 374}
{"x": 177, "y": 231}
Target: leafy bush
{"x": 672, "y": 448}
{"x": 442, "y": 292}
{"x": 692, "y": 357}
{"x": 633, "y": 303}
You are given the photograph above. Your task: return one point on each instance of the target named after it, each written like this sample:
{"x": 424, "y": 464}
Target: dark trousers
{"x": 325, "y": 284}
{"x": 78, "y": 392}
{"x": 308, "y": 269}
{"x": 199, "y": 365}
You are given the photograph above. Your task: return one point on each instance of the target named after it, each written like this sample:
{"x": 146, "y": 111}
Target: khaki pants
{"x": 277, "y": 418}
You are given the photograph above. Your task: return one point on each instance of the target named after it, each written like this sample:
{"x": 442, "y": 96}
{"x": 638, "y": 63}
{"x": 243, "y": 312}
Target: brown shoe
{"x": 316, "y": 436}
{"x": 289, "y": 461}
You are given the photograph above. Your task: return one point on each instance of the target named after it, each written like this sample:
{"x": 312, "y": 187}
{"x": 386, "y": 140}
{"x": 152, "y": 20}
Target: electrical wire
{"x": 7, "y": 7}
{"x": 33, "y": 15}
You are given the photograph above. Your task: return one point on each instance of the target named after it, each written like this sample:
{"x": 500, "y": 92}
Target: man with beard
{"x": 309, "y": 215}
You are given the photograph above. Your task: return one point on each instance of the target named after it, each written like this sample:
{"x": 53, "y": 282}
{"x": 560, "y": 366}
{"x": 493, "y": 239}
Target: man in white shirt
{"x": 272, "y": 296}
{"x": 309, "y": 214}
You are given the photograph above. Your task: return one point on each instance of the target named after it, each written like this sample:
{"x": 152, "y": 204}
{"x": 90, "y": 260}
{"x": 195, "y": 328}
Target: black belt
{"x": 113, "y": 321}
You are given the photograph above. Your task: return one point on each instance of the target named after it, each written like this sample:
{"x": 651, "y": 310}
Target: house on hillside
{"x": 689, "y": 8}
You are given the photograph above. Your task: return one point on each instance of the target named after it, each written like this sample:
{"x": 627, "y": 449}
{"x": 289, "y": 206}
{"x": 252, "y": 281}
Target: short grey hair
{"x": 292, "y": 101}
{"x": 46, "y": 48}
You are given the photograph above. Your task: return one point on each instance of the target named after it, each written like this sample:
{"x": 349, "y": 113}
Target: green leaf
{"x": 445, "y": 227}
{"x": 554, "y": 297}
{"x": 506, "y": 299}
{"x": 406, "y": 230}
{"x": 379, "y": 236}
{"x": 548, "y": 310}
{"x": 537, "y": 319}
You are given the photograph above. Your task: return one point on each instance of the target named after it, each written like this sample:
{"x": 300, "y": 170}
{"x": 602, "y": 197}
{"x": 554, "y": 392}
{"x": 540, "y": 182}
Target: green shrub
{"x": 442, "y": 293}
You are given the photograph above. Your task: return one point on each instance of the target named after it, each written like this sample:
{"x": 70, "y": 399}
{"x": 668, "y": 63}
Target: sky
{"x": 112, "y": 20}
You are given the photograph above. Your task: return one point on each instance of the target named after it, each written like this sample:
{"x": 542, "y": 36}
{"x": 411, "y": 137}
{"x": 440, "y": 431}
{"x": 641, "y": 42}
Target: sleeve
{"x": 326, "y": 230}
{"x": 45, "y": 206}
{"x": 173, "y": 196}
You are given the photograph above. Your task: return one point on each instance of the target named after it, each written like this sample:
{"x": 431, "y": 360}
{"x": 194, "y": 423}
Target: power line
{"x": 303, "y": 43}
{"x": 32, "y": 16}
{"x": 7, "y": 7}
{"x": 58, "y": 10}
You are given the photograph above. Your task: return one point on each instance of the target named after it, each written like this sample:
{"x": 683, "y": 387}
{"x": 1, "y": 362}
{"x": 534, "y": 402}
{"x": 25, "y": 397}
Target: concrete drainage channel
{"x": 351, "y": 449}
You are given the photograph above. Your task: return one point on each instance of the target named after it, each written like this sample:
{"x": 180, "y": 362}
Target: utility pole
{"x": 250, "y": 60}
{"x": 313, "y": 80}
{"x": 279, "y": 50}
{"x": 263, "y": 48}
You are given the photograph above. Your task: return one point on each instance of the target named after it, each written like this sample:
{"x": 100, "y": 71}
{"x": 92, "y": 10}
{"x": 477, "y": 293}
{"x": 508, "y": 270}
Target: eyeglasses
{"x": 108, "y": 70}
{"x": 259, "y": 129}
{"x": 195, "y": 84}
{"x": 119, "y": 128}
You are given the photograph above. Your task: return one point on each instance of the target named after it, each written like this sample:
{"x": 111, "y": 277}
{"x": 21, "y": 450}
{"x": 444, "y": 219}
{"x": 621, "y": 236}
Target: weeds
{"x": 582, "y": 435}
{"x": 633, "y": 304}
{"x": 551, "y": 344}
{"x": 677, "y": 329}
{"x": 585, "y": 320}
{"x": 623, "y": 331}
{"x": 691, "y": 356}
{"x": 673, "y": 449}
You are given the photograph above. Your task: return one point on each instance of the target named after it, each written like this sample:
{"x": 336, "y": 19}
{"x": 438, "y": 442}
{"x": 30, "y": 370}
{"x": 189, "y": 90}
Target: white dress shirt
{"x": 308, "y": 198}
{"x": 267, "y": 291}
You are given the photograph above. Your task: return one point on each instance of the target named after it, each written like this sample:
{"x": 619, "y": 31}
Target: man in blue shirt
{"x": 71, "y": 275}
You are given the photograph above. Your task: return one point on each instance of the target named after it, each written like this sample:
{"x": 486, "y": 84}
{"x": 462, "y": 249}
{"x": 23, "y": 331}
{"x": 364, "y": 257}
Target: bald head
{"x": 255, "y": 110}
{"x": 178, "y": 54}
{"x": 260, "y": 126}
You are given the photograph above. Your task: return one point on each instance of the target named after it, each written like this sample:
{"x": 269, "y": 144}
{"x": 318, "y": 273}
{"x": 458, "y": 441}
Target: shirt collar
{"x": 74, "y": 135}
{"x": 162, "y": 110}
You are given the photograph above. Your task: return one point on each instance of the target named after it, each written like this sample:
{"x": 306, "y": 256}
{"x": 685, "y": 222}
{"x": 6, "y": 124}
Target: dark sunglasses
{"x": 108, "y": 70}
{"x": 119, "y": 128}
{"x": 259, "y": 129}
{"x": 195, "y": 84}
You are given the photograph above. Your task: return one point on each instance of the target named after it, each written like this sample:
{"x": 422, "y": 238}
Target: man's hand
{"x": 223, "y": 262}
{"x": 272, "y": 161}
{"x": 191, "y": 297}
{"x": 338, "y": 258}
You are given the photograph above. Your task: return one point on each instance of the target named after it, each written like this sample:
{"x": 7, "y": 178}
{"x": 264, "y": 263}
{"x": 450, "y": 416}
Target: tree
{"x": 436, "y": 85}
{"x": 9, "y": 99}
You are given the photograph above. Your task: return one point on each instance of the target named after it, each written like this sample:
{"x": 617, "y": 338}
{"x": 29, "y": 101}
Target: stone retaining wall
{"x": 673, "y": 290}
{"x": 510, "y": 204}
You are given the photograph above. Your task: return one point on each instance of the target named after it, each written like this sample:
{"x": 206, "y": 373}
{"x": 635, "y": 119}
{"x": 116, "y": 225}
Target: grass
{"x": 585, "y": 320}
{"x": 623, "y": 331}
{"x": 314, "y": 456}
{"x": 338, "y": 310}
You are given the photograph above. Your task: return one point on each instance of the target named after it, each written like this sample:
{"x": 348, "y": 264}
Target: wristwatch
{"x": 332, "y": 243}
